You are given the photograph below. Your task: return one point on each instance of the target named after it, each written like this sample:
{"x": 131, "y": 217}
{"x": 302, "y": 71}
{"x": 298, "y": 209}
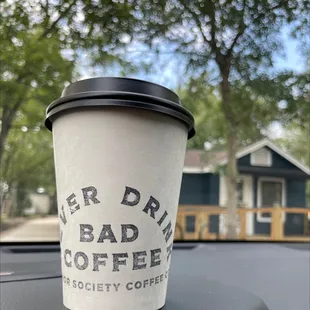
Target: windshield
{"x": 240, "y": 67}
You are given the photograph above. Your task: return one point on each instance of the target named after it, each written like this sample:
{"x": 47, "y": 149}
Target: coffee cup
{"x": 119, "y": 148}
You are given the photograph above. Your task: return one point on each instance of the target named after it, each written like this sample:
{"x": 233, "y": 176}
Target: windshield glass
{"x": 240, "y": 67}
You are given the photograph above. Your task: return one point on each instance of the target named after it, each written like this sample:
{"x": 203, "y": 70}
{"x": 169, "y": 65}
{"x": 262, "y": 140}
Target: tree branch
{"x": 16, "y": 106}
{"x": 212, "y": 42}
{"x": 214, "y": 48}
{"x": 197, "y": 20}
{"x": 278, "y": 6}
{"x": 241, "y": 30}
{"x": 230, "y": 50}
{"x": 45, "y": 8}
{"x": 9, "y": 159}
{"x": 54, "y": 24}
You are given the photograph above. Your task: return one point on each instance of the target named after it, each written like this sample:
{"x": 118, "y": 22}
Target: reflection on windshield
{"x": 240, "y": 67}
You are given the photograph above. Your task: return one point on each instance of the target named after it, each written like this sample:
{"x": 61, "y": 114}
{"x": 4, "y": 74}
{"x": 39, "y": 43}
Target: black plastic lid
{"x": 124, "y": 92}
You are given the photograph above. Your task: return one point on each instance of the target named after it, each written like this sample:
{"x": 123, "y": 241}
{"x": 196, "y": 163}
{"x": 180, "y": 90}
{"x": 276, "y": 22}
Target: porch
{"x": 198, "y": 223}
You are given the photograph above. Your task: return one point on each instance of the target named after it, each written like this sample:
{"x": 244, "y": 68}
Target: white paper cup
{"x": 119, "y": 147}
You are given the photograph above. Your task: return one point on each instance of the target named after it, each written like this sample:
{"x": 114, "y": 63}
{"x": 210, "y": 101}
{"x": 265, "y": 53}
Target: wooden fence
{"x": 201, "y": 215}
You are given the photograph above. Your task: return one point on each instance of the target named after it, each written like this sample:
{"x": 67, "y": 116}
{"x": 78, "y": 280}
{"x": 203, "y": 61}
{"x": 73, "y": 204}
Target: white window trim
{"x": 263, "y": 219}
{"x": 269, "y": 160}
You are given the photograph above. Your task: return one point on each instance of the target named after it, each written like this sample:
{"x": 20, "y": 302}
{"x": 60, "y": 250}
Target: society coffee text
{"x": 115, "y": 287}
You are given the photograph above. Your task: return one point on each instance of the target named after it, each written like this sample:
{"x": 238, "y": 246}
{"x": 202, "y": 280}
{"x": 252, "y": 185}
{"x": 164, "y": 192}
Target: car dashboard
{"x": 203, "y": 276}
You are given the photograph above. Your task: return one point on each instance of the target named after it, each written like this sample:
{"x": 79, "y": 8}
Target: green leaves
{"x": 256, "y": 105}
{"x": 42, "y": 41}
{"x": 204, "y": 103}
{"x": 29, "y": 158}
{"x": 287, "y": 92}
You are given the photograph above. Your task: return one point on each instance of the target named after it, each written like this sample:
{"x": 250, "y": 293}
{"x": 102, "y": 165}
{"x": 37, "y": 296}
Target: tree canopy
{"x": 237, "y": 38}
{"x": 43, "y": 41}
{"x": 228, "y": 48}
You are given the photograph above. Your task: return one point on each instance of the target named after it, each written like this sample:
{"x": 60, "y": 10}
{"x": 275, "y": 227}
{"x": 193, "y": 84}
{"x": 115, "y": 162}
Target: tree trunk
{"x": 3, "y": 135}
{"x": 7, "y": 118}
{"x": 53, "y": 204}
{"x": 13, "y": 197}
{"x": 232, "y": 173}
{"x": 231, "y": 185}
{"x": 1, "y": 198}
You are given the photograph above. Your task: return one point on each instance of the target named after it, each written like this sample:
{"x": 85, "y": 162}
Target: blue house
{"x": 268, "y": 176}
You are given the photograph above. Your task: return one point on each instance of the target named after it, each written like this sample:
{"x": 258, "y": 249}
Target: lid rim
{"x": 118, "y": 91}
{"x": 183, "y": 116}
{"x": 123, "y": 79}
{"x": 108, "y": 95}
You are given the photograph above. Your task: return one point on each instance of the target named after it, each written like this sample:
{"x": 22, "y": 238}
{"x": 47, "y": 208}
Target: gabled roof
{"x": 200, "y": 161}
{"x": 193, "y": 158}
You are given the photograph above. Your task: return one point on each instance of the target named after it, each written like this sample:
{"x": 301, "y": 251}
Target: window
{"x": 190, "y": 221}
{"x": 261, "y": 157}
{"x": 271, "y": 192}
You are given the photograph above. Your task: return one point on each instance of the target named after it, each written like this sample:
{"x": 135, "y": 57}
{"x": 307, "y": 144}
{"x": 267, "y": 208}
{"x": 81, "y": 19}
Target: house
{"x": 39, "y": 204}
{"x": 268, "y": 176}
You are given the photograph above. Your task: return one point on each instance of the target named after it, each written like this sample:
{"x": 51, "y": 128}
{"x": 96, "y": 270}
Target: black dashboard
{"x": 203, "y": 276}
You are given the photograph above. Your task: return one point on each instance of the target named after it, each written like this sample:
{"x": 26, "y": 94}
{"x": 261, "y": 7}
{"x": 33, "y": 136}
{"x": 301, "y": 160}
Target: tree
{"x": 41, "y": 43}
{"x": 195, "y": 95}
{"x": 238, "y": 38}
{"x": 296, "y": 141}
{"x": 255, "y": 113}
{"x": 27, "y": 160}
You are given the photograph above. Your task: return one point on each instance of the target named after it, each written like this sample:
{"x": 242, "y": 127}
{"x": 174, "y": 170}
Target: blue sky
{"x": 292, "y": 60}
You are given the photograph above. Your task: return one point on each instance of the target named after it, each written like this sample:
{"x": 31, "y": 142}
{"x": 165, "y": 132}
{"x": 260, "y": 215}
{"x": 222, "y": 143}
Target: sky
{"x": 293, "y": 60}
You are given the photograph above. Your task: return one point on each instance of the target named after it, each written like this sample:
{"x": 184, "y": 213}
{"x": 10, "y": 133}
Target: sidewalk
{"x": 41, "y": 229}
{"x": 10, "y": 223}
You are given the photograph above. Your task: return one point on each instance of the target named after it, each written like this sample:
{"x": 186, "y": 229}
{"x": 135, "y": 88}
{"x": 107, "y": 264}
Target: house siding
{"x": 278, "y": 162}
{"x": 201, "y": 189}
{"x": 281, "y": 163}
{"x": 194, "y": 190}
{"x": 245, "y": 161}
{"x": 296, "y": 198}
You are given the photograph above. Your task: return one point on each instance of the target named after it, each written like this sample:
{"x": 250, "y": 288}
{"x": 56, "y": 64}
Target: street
{"x": 40, "y": 229}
